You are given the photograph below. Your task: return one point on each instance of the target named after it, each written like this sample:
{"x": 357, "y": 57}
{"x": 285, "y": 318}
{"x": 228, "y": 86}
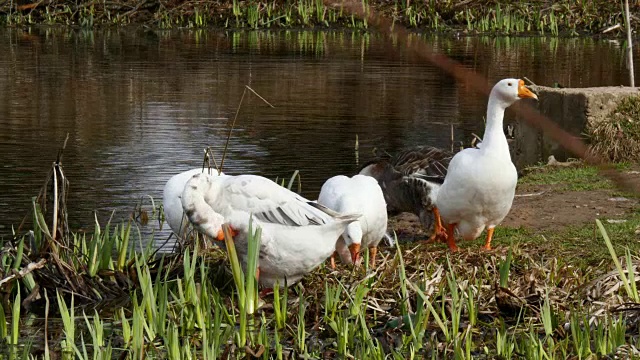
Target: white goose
{"x": 480, "y": 184}
{"x": 357, "y": 194}
{"x": 297, "y": 234}
{"x": 171, "y": 202}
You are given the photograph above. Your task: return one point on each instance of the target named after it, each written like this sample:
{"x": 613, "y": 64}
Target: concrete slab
{"x": 571, "y": 108}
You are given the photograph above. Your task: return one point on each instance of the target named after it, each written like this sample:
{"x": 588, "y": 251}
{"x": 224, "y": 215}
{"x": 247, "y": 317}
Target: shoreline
{"x": 554, "y": 263}
{"x": 501, "y": 18}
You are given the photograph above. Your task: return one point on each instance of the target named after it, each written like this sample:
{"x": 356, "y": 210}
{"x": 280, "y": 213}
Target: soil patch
{"x": 543, "y": 207}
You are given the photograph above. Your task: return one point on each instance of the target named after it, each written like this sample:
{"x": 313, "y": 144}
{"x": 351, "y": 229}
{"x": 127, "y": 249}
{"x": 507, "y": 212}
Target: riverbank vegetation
{"x": 504, "y": 17}
{"x": 618, "y": 138}
{"x": 538, "y": 295}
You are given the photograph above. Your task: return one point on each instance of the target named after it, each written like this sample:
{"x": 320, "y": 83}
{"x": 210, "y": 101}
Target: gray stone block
{"x": 571, "y": 108}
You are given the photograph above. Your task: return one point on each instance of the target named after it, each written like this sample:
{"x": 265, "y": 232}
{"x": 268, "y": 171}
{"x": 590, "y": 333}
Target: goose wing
{"x": 427, "y": 162}
{"x": 270, "y": 202}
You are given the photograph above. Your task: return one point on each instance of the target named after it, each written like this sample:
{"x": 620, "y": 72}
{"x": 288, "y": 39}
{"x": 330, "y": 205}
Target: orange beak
{"x": 354, "y": 249}
{"x": 220, "y": 235}
{"x": 524, "y": 92}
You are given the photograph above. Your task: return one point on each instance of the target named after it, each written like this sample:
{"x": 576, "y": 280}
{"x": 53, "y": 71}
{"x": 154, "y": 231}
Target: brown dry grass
{"x": 618, "y": 139}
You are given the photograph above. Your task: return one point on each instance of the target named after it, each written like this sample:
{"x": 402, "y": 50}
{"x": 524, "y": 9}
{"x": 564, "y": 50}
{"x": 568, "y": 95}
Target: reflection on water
{"x": 140, "y": 106}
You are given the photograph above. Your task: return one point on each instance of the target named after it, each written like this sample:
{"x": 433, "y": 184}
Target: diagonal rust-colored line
{"x": 479, "y": 83}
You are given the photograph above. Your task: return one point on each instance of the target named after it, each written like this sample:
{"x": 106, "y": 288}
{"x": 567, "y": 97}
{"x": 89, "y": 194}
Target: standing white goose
{"x": 297, "y": 234}
{"x": 357, "y": 194}
{"x": 171, "y": 202}
{"x": 480, "y": 184}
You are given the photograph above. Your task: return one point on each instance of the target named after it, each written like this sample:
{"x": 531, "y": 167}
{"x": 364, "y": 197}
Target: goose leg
{"x": 373, "y": 251}
{"x": 333, "y": 260}
{"x": 451, "y": 240}
{"x": 439, "y": 232}
{"x": 487, "y": 243}
{"x": 220, "y": 235}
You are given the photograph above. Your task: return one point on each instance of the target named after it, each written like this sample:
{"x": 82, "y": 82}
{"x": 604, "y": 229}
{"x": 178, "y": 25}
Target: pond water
{"x": 141, "y": 105}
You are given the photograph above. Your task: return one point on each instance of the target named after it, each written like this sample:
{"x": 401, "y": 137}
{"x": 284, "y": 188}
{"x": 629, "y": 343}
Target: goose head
{"x": 353, "y": 238}
{"x": 508, "y": 91}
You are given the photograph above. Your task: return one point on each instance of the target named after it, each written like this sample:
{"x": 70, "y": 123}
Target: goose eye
{"x": 509, "y": 84}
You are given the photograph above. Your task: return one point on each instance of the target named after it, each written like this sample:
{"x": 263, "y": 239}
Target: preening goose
{"x": 358, "y": 194}
{"x": 410, "y": 181}
{"x": 297, "y": 235}
{"x": 171, "y": 202}
{"x": 480, "y": 184}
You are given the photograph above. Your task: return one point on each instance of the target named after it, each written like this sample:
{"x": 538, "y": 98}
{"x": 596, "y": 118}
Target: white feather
{"x": 296, "y": 236}
{"x": 171, "y": 199}
{"x": 480, "y": 184}
{"x": 358, "y": 194}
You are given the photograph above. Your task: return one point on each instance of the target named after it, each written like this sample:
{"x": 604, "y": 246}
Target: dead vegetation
{"x": 618, "y": 137}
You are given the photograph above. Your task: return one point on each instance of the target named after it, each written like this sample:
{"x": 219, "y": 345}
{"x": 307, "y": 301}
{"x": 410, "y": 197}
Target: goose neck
{"x": 494, "y": 138}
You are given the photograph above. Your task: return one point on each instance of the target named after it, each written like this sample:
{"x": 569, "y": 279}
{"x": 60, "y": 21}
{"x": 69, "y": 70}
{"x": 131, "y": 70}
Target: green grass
{"x": 442, "y": 300}
{"x": 575, "y": 178}
{"x": 505, "y": 17}
{"x": 577, "y": 245}
{"x": 578, "y": 177}
{"x": 578, "y": 242}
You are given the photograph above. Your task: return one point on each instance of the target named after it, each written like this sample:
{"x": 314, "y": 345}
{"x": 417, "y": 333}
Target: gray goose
{"x": 410, "y": 181}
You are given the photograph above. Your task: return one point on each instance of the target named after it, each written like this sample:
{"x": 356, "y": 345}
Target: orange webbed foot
{"x": 487, "y": 243}
{"x": 440, "y": 235}
{"x": 439, "y": 232}
{"x": 220, "y": 235}
{"x": 451, "y": 240}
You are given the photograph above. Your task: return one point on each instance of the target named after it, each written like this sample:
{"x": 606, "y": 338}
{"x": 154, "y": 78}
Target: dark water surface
{"x": 140, "y": 106}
